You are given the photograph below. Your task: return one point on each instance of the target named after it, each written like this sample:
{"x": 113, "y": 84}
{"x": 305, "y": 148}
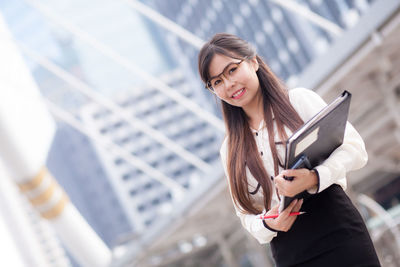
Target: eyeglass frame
{"x": 209, "y": 88}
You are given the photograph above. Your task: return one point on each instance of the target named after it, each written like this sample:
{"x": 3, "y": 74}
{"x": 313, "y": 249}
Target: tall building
{"x": 146, "y": 199}
{"x": 283, "y": 37}
{"x": 76, "y": 165}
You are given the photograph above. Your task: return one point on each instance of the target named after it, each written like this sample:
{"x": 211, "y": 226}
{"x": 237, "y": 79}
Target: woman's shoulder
{"x": 299, "y": 92}
{"x": 224, "y": 146}
{"x": 306, "y": 102}
{"x": 223, "y": 151}
{"x": 304, "y": 96}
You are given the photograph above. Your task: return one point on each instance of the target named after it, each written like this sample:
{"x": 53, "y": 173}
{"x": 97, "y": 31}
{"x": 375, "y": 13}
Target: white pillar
{"x": 15, "y": 231}
{"x": 9, "y": 252}
{"x": 26, "y": 133}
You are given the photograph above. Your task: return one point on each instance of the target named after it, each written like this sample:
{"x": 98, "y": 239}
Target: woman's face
{"x": 239, "y": 85}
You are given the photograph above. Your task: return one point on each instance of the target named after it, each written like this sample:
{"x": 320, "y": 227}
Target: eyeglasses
{"x": 230, "y": 73}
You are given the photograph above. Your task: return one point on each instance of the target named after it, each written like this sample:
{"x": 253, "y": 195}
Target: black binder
{"x": 312, "y": 143}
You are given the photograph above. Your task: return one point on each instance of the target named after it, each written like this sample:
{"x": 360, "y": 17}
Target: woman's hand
{"x": 283, "y": 222}
{"x": 303, "y": 179}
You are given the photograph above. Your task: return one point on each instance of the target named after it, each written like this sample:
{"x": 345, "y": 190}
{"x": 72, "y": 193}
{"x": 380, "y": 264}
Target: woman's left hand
{"x": 303, "y": 179}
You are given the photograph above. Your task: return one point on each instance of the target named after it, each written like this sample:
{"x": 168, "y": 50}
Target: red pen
{"x": 263, "y": 217}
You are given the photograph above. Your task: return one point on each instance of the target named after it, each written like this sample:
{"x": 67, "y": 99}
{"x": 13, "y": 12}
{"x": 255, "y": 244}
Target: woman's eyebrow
{"x": 222, "y": 70}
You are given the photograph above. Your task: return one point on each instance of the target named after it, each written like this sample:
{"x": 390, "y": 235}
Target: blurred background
{"x": 137, "y": 138}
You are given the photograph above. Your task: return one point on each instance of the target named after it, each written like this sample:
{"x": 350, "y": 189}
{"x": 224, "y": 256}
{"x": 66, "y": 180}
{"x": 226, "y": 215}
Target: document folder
{"x": 313, "y": 142}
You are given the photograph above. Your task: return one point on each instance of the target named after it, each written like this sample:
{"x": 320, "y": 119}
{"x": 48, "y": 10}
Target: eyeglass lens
{"x": 230, "y": 72}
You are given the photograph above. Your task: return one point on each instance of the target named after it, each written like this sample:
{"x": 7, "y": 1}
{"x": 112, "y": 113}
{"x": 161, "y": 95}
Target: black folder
{"x": 312, "y": 143}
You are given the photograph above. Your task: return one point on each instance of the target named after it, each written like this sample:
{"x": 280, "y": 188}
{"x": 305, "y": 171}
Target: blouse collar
{"x": 260, "y": 127}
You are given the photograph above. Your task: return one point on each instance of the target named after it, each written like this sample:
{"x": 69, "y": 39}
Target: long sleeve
{"x": 250, "y": 222}
{"x": 351, "y": 155}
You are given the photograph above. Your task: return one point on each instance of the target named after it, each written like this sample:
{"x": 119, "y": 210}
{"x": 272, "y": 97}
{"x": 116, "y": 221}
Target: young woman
{"x": 260, "y": 114}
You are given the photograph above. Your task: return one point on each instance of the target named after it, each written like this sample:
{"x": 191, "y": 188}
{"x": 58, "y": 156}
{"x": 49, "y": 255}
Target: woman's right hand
{"x": 283, "y": 222}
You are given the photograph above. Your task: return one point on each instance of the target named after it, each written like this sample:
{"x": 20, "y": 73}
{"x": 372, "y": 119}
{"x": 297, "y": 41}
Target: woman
{"x": 260, "y": 114}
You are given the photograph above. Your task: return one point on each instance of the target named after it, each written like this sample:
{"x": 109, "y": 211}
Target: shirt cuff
{"x": 269, "y": 228}
{"x": 315, "y": 189}
{"x": 324, "y": 177}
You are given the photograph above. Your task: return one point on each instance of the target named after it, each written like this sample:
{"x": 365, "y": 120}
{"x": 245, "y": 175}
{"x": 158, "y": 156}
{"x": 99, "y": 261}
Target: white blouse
{"x": 351, "y": 155}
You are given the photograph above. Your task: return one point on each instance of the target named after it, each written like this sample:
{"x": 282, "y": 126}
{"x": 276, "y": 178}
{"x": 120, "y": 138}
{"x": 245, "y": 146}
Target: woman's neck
{"x": 255, "y": 113}
{"x": 255, "y": 121}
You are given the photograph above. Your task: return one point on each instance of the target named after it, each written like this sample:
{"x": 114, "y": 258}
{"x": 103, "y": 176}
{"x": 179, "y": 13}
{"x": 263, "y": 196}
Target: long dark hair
{"x": 242, "y": 149}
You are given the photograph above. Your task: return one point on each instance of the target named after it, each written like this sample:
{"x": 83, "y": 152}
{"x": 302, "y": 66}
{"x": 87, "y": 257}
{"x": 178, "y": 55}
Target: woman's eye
{"x": 232, "y": 70}
{"x": 216, "y": 82}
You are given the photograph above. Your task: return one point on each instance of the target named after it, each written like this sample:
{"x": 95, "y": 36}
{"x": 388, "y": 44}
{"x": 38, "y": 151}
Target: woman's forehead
{"x": 218, "y": 63}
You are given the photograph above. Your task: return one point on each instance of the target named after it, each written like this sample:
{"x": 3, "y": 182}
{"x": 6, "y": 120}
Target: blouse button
{"x": 272, "y": 178}
{"x": 256, "y": 133}
{"x": 261, "y": 153}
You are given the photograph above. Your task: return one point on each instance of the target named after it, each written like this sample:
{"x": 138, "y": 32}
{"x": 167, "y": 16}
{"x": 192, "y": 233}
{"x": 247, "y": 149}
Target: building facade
{"x": 146, "y": 199}
{"x": 283, "y": 37}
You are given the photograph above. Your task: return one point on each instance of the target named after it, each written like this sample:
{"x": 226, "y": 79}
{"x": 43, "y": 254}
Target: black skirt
{"x": 331, "y": 233}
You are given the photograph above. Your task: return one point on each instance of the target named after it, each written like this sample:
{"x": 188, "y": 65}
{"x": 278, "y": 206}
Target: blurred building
{"x": 284, "y": 37}
{"x": 143, "y": 197}
{"x": 75, "y": 163}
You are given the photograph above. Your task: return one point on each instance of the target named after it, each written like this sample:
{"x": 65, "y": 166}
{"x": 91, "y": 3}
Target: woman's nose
{"x": 228, "y": 83}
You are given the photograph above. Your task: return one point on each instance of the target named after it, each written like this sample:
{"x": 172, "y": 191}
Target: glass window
{"x": 238, "y": 21}
{"x": 276, "y": 14}
{"x": 217, "y": 5}
{"x": 245, "y": 10}
{"x": 118, "y": 161}
{"x": 260, "y": 38}
{"x": 141, "y": 207}
{"x": 268, "y": 27}
{"x": 293, "y": 45}
{"x": 155, "y": 202}
{"x": 231, "y": 29}
{"x": 253, "y": 2}
{"x": 283, "y": 56}
{"x": 211, "y": 15}
{"x": 126, "y": 176}
{"x": 133, "y": 192}
{"x": 187, "y": 10}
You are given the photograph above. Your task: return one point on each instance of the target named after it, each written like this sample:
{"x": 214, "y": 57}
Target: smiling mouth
{"x": 238, "y": 93}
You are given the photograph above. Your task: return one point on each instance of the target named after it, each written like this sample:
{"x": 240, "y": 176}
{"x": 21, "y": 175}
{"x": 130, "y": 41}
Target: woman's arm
{"x": 249, "y": 221}
{"x": 263, "y": 230}
{"x": 351, "y": 155}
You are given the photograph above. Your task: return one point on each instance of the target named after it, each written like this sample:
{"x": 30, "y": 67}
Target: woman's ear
{"x": 254, "y": 63}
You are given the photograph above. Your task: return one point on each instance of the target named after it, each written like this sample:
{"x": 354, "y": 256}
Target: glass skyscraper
{"x": 144, "y": 198}
{"x": 284, "y": 38}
